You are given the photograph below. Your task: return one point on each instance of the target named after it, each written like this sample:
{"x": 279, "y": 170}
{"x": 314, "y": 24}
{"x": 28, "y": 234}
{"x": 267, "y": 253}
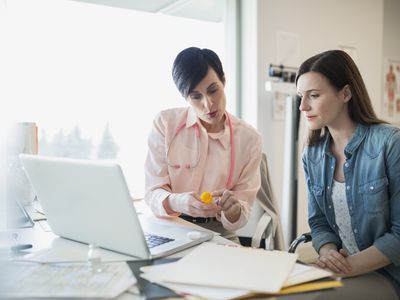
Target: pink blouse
{"x": 210, "y": 156}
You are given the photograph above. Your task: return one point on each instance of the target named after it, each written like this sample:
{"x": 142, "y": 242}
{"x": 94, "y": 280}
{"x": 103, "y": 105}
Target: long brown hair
{"x": 340, "y": 70}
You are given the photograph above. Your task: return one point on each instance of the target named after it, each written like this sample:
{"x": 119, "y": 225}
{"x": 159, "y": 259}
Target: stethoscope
{"x": 182, "y": 125}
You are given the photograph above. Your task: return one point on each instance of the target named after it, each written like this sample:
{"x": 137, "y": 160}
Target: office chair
{"x": 306, "y": 253}
{"x": 269, "y": 225}
{"x": 304, "y": 238}
{"x": 264, "y": 229}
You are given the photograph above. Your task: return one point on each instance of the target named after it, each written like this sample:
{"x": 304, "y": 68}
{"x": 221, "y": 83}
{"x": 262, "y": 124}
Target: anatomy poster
{"x": 391, "y": 88}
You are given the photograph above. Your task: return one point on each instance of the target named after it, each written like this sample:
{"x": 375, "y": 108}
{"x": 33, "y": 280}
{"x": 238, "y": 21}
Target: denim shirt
{"x": 372, "y": 177}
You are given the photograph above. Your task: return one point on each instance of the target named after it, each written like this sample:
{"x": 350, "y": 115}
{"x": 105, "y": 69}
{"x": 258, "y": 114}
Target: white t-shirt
{"x": 342, "y": 217}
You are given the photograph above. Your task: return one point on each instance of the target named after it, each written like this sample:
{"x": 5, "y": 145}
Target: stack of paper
{"x": 303, "y": 273}
{"x": 222, "y": 272}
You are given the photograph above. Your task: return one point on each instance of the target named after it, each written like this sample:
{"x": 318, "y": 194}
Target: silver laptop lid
{"x": 87, "y": 201}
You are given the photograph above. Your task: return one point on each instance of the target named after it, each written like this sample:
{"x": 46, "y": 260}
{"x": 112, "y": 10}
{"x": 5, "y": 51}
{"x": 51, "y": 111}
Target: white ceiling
{"x": 208, "y": 10}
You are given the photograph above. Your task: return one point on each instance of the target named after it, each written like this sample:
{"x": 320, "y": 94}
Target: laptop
{"x": 89, "y": 201}
{"x": 14, "y": 216}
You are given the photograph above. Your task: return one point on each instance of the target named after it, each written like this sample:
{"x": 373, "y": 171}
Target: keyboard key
{"x": 156, "y": 240}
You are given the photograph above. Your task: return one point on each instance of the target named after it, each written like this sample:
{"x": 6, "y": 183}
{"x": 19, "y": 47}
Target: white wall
{"x": 391, "y": 29}
{"x": 320, "y": 26}
{"x": 249, "y": 61}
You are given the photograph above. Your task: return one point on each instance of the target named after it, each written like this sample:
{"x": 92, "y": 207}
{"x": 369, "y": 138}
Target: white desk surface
{"x": 49, "y": 247}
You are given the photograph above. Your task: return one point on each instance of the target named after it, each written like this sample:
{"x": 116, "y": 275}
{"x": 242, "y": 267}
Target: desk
{"x": 369, "y": 286}
{"x": 48, "y": 247}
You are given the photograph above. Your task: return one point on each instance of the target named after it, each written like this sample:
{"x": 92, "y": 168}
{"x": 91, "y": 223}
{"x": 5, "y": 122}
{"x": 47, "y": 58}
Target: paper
{"x": 302, "y": 273}
{"x": 155, "y": 274}
{"x": 63, "y": 250}
{"x": 67, "y": 280}
{"x": 299, "y": 274}
{"x": 229, "y": 267}
{"x": 205, "y": 292}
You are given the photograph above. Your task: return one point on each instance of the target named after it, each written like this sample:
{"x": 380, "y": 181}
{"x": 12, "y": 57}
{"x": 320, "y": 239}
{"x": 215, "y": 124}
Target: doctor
{"x": 202, "y": 148}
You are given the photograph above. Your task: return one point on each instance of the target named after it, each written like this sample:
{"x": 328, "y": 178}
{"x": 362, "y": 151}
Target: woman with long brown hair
{"x": 352, "y": 169}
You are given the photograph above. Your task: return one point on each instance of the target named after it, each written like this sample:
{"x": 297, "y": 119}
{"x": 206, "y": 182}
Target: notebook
{"x": 89, "y": 201}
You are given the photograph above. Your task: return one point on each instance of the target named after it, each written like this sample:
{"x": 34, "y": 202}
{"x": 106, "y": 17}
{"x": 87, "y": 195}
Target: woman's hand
{"x": 229, "y": 205}
{"x": 336, "y": 261}
{"x": 191, "y": 204}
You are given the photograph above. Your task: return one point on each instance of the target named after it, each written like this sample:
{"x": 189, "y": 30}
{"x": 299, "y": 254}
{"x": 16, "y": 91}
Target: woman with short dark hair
{"x": 202, "y": 148}
{"x": 352, "y": 169}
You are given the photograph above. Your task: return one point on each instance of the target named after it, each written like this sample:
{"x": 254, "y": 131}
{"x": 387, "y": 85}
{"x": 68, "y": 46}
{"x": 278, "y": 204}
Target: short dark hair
{"x": 191, "y": 66}
{"x": 340, "y": 70}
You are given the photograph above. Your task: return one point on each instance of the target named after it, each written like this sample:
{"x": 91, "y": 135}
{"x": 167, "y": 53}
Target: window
{"x": 93, "y": 77}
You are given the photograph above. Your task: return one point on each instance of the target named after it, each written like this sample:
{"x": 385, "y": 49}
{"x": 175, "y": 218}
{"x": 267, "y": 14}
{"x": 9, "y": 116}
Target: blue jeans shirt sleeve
{"x": 321, "y": 231}
{"x": 389, "y": 243}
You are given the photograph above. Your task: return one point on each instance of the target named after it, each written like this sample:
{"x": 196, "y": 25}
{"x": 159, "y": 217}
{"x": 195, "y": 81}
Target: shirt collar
{"x": 192, "y": 119}
{"x": 224, "y": 137}
{"x": 355, "y": 141}
{"x": 327, "y": 143}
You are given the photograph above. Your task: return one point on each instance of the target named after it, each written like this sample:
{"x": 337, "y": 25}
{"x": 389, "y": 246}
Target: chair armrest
{"x": 304, "y": 238}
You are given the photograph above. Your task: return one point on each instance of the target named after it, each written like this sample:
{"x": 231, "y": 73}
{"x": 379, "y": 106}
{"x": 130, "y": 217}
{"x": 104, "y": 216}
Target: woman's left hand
{"x": 229, "y": 205}
{"x": 334, "y": 260}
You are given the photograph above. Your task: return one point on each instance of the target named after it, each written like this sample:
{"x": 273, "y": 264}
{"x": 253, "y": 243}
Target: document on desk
{"x": 301, "y": 278}
{"x": 303, "y": 273}
{"x": 68, "y": 280}
{"x": 64, "y": 250}
{"x": 155, "y": 274}
{"x": 242, "y": 268}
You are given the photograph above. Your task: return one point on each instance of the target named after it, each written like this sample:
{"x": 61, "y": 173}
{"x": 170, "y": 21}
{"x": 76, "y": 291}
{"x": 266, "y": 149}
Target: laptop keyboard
{"x": 156, "y": 240}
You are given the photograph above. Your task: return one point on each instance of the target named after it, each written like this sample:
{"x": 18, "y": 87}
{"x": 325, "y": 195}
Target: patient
{"x": 352, "y": 169}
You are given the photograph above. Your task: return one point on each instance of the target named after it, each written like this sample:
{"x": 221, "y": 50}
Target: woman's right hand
{"x": 191, "y": 204}
{"x": 334, "y": 260}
